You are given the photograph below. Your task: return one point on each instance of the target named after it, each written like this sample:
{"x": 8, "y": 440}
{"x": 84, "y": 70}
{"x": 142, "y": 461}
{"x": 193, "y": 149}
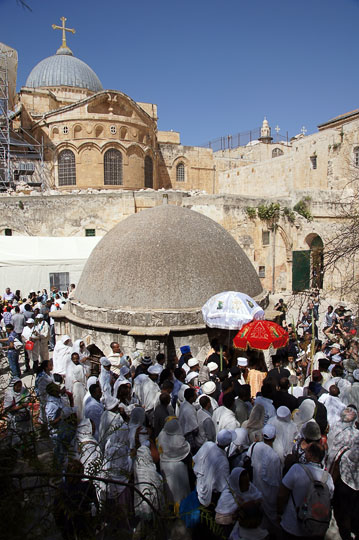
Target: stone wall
{"x": 70, "y": 214}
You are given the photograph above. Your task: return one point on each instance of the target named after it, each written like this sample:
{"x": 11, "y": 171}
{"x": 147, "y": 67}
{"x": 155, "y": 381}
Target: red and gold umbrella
{"x": 261, "y": 335}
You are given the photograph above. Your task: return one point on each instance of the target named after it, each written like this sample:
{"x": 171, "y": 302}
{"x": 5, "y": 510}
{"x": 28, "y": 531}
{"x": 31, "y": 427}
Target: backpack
{"x": 247, "y": 463}
{"x": 315, "y": 511}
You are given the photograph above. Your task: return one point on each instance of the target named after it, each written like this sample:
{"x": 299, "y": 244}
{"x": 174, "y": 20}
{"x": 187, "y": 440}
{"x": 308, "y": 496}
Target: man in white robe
{"x": 94, "y": 408}
{"x": 29, "y": 333}
{"x": 333, "y": 404}
{"x": 110, "y": 420}
{"x": 224, "y": 417}
{"x": 206, "y": 428}
{"x": 267, "y": 471}
{"x": 43, "y": 330}
{"x": 62, "y": 355}
{"x": 150, "y": 390}
{"x": 188, "y": 418}
{"x": 211, "y": 467}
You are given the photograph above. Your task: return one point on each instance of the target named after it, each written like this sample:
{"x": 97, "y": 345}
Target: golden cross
{"x": 64, "y": 30}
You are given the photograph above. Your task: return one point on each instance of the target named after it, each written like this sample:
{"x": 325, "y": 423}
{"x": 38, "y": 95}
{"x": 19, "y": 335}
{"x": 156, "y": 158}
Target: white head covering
{"x": 356, "y": 374}
{"x": 30, "y": 321}
{"x": 304, "y": 413}
{"x": 155, "y": 369}
{"x": 209, "y": 387}
{"x": 212, "y": 366}
{"x": 171, "y": 443}
{"x": 269, "y": 432}
{"x": 192, "y": 362}
{"x": 192, "y": 375}
{"x": 90, "y": 381}
{"x": 105, "y": 361}
{"x": 225, "y": 437}
{"x": 232, "y": 496}
{"x": 283, "y": 413}
{"x": 242, "y": 362}
{"x": 110, "y": 402}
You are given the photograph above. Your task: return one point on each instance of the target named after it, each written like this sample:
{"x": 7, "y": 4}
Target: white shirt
{"x": 93, "y": 411}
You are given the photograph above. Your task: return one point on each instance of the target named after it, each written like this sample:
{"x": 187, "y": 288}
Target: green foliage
{"x": 251, "y": 212}
{"x": 289, "y": 214}
{"x": 303, "y": 208}
{"x": 269, "y": 212}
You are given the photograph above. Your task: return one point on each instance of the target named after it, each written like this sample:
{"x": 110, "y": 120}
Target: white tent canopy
{"x": 26, "y": 262}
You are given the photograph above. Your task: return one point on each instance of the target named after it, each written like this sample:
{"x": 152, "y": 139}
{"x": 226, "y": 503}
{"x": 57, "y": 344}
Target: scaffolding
{"x": 21, "y": 155}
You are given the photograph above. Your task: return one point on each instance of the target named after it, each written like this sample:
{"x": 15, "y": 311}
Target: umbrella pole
{"x": 312, "y": 347}
{"x": 221, "y": 356}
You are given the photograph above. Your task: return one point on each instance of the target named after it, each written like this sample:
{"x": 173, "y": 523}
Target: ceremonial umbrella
{"x": 230, "y": 310}
{"x": 261, "y": 335}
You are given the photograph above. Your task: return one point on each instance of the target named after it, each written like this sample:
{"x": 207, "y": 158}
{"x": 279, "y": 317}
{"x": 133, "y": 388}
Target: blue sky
{"x": 212, "y": 67}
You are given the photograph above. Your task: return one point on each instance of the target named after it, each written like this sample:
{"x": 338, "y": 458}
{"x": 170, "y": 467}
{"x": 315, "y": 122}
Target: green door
{"x": 301, "y": 270}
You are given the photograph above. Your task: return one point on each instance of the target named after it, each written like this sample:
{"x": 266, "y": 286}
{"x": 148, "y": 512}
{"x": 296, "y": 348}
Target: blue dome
{"x": 63, "y": 69}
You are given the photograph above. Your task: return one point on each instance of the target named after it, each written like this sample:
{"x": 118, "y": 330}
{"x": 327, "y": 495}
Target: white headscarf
{"x": 84, "y": 353}
{"x": 62, "y": 355}
{"x": 171, "y": 443}
{"x": 232, "y": 497}
{"x": 117, "y": 461}
{"x": 304, "y": 413}
{"x": 90, "y": 381}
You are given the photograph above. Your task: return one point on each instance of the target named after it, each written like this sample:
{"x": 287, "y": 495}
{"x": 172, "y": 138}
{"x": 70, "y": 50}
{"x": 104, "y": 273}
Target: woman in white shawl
{"x": 304, "y": 413}
{"x": 239, "y": 497}
{"x": 90, "y": 454}
{"x": 118, "y": 465}
{"x": 148, "y": 482}
{"x": 79, "y": 347}
{"x": 105, "y": 377}
{"x": 342, "y": 434}
{"x": 173, "y": 449}
{"x": 90, "y": 381}
{"x": 78, "y": 389}
{"x": 62, "y": 355}
{"x": 255, "y": 423}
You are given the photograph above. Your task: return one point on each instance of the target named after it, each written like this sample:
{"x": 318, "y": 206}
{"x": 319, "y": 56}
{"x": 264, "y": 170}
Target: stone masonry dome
{"x": 63, "y": 69}
{"x": 161, "y": 262}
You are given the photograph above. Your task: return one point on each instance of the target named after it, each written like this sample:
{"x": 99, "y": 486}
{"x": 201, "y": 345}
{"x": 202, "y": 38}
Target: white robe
{"x": 334, "y": 407}
{"x": 148, "y": 394}
{"x": 61, "y": 357}
{"x": 211, "y": 468}
{"x": 267, "y": 475}
{"x": 224, "y": 418}
{"x": 93, "y": 411}
{"x": 188, "y": 418}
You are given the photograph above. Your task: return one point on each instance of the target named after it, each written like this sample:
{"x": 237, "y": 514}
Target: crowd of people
{"x": 264, "y": 446}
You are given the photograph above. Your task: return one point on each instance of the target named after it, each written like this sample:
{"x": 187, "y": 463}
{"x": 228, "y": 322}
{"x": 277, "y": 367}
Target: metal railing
{"x": 229, "y": 142}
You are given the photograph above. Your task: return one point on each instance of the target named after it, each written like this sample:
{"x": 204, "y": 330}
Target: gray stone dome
{"x": 164, "y": 258}
{"x": 63, "y": 69}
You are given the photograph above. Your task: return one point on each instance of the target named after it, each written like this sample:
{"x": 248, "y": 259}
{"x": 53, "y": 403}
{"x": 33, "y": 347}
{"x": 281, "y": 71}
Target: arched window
{"x": 180, "y": 172}
{"x": 148, "y": 172}
{"x": 113, "y": 168}
{"x": 67, "y": 168}
{"x": 356, "y": 156}
{"x": 277, "y": 152}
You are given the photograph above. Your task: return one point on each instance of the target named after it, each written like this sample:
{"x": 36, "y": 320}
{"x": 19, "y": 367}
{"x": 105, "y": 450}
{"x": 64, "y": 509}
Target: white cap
{"x": 192, "y": 375}
{"x": 110, "y": 401}
{"x": 155, "y": 369}
{"x": 336, "y": 345}
{"x": 29, "y": 321}
{"x": 212, "y": 366}
{"x": 39, "y": 316}
{"x": 209, "y": 387}
{"x": 269, "y": 432}
{"x": 242, "y": 362}
{"x": 225, "y": 437}
{"x": 105, "y": 361}
{"x": 192, "y": 362}
{"x": 283, "y": 412}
